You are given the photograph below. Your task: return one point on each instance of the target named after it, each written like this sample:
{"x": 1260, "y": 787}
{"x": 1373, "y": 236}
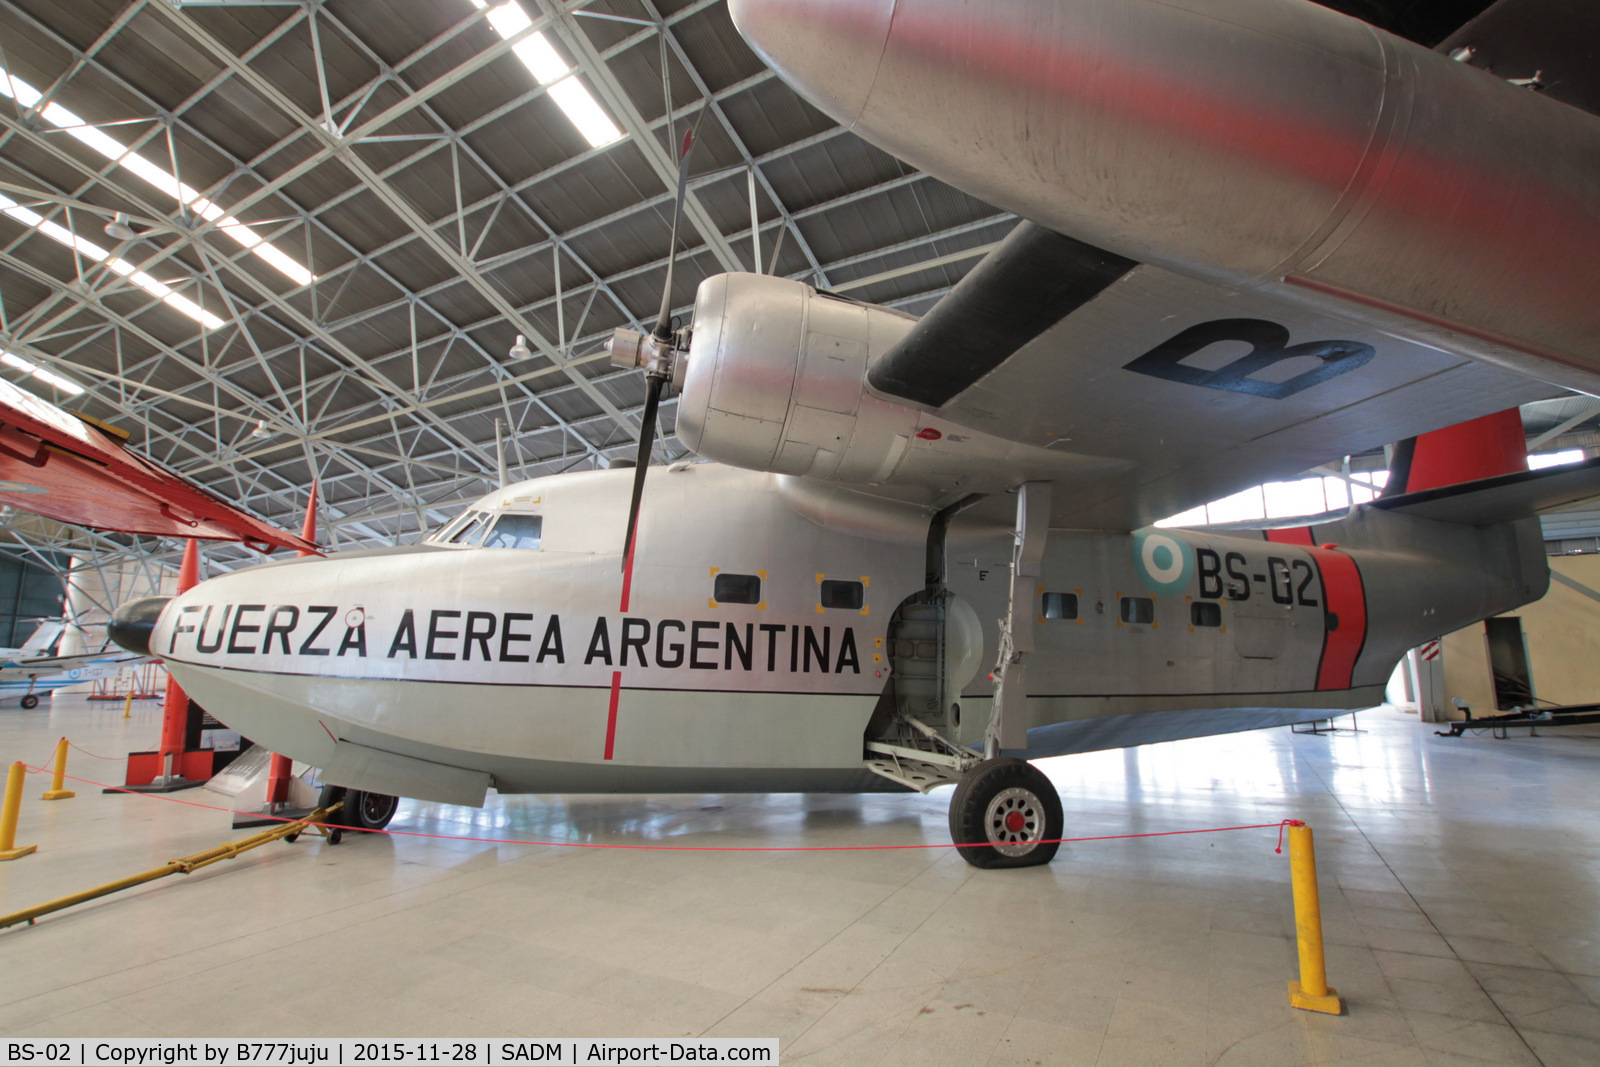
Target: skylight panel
{"x": 48, "y": 377}
{"x": 548, "y": 69}
{"x": 116, "y": 264}
{"x": 573, "y": 97}
{"x": 74, "y": 126}
{"x": 1555, "y": 459}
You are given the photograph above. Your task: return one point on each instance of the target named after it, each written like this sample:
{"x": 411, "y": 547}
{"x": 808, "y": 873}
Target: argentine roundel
{"x": 1164, "y": 563}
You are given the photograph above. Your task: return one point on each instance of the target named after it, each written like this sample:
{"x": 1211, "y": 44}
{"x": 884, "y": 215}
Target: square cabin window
{"x": 1138, "y": 610}
{"x": 1061, "y": 605}
{"x": 837, "y": 594}
{"x": 515, "y": 531}
{"x": 737, "y": 589}
{"x": 1205, "y": 613}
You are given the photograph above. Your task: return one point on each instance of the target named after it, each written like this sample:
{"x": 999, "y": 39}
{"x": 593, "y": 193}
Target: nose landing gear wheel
{"x": 1005, "y": 813}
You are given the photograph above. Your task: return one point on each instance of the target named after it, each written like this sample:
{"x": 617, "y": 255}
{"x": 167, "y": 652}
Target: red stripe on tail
{"x": 1467, "y": 451}
{"x": 1293, "y": 535}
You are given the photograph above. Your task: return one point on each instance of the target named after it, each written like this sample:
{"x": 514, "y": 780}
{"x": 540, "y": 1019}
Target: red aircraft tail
{"x": 1465, "y": 452}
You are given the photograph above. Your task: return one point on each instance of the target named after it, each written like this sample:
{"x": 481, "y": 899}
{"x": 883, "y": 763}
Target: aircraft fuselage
{"x": 553, "y": 670}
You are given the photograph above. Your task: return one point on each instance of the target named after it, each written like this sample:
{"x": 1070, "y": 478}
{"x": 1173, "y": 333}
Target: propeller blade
{"x": 647, "y": 436}
{"x": 656, "y": 380}
{"x": 663, "y": 328}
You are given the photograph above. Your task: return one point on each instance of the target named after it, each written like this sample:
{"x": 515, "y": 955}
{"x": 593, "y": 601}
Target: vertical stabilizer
{"x": 45, "y": 636}
{"x": 1465, "y": 452}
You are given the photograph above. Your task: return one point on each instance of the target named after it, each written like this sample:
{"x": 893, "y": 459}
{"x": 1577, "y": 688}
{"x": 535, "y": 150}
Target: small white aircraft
{"x": 30, "y": 671}
{"x": 923, "y": 552}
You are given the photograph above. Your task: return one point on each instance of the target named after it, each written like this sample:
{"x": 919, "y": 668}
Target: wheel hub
{"x": 1014, "y": 821}
{"x": 375, "y": 808}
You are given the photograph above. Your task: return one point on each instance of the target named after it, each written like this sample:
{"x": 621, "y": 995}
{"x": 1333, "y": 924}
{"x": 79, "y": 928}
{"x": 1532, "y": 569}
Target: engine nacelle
{"x": 777, "y": 381}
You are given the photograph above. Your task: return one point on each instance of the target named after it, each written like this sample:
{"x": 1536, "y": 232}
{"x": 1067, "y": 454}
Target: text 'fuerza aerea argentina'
{"x": 440, "y": 634}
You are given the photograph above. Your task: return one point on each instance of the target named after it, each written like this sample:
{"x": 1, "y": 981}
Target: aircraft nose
{"x": 829, "y": 49}
{"x": 132, "y": 622}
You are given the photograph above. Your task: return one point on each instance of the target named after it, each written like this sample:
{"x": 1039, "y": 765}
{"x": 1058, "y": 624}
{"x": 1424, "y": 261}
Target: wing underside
{"x": 1198, "y": 391}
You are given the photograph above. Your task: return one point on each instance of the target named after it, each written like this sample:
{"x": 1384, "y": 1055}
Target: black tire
{"x": 368, "y": 811}
{"x": 30, "y": 701}
{"x": 1005, "y": 813}
{"x": 362, "y": 812}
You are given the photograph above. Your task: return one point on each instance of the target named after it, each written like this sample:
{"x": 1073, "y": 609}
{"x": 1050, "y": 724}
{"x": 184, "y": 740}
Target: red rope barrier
{"x": 50, "y": 760}
{"x": 96, "y": 755}
{"x": 1279, "y": 825}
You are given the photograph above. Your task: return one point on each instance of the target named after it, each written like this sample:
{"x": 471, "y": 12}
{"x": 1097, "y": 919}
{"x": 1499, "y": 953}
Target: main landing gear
{"x": 363, "y": 811}
{"x": 1006, "y": 813}
{"x": 30, "y": 701}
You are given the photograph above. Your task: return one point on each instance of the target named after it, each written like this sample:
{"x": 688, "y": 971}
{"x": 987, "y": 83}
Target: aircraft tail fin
{"x": 42, "y": 638}
{"x": 1466, "y": 452}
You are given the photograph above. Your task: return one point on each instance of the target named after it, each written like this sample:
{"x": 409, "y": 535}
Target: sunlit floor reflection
{"x": 1459, "y": 886}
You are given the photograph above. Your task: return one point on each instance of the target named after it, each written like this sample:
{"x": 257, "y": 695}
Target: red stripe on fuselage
{"x": 627, "y": 570}
{"x": 611, "y": 716}
{"x": 616, "y": 676}
{"x": 1345, "y": 598}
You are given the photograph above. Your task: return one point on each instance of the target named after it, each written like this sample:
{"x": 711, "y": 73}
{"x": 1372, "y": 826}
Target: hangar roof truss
{"x": 287, "y": 241}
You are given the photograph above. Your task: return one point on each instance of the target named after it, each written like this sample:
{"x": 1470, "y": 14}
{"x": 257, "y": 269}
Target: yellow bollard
{"x": 1312, "y": 991}
{"x": 8, "y": 814}
{"x": 127, "y": 708}
{"x": 58, "y": 790}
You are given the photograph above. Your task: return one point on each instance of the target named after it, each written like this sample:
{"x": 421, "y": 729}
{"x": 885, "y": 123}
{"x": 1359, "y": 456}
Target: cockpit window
{"x": 515, "y": 531}
{"x": 469, "y": 534}
{"x": 448, "y": 530}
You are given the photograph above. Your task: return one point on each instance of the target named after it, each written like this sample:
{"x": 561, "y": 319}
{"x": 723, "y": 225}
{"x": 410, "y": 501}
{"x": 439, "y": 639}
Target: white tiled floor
{"x": 1458, "y": 882}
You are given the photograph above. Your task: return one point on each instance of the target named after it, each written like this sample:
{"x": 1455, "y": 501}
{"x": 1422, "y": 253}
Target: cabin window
{"x": 837, "y": 594}
{"x": 1139, "y": 610}
{"x": 1205, "y": 613}
{"x": 469, "y": 534}
{"x": 1060, "y": 606}
{"x": 515, "y": 531}
{"x": 737, "y": 589}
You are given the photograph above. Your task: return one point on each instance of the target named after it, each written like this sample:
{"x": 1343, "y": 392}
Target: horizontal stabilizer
{"x": 1502, "y": 498}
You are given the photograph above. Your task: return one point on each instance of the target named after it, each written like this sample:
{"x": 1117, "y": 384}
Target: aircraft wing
{"x": 62, "y": 466}
{"x": 1198, "y": 390}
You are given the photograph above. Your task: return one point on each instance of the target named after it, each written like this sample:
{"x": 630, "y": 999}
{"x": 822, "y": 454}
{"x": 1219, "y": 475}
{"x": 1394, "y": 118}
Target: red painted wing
{"x": 54, "y": 464}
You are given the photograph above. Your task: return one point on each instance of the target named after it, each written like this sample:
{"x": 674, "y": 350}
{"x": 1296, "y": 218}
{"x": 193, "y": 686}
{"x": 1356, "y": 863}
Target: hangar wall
{"x": 27, "y": 594}
{"x": 92, "y": 591}
{"x": 1563, "y": 641}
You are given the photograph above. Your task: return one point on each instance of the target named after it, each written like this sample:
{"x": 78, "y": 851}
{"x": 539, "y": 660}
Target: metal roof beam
{"x": 389, "y": 196}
